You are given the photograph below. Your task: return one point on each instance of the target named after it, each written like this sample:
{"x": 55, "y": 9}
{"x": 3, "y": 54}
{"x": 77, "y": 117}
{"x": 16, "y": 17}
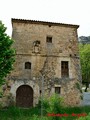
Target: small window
{"x": 49, "y": 40}
{"x": 57, "y": 90}
{"x": 40, "y": 91}
{"x": 64, "y": 69}
{"x": 27, "y": 65}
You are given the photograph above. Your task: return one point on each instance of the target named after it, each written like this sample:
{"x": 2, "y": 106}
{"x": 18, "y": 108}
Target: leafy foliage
{"x": 85, "y": 62}
{"x": 6, "y": 53}
{"x": 53, "y": 104}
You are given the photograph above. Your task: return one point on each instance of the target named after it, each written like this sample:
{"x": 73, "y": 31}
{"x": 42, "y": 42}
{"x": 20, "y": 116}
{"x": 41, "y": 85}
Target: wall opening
{"x": 64, "y": 69}
{"x": 27, "y": 65}
{"x": 49, "y": 39}
{"x": 24, "y": 96}
{"x": 57, "y": 90}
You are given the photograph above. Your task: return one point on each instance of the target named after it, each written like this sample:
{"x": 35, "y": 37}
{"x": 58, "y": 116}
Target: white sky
{"x": 62, "y": 11}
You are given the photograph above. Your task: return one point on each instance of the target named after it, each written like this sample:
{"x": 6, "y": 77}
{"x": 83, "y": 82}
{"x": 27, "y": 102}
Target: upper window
{"x": 49, "y": 40}
{"x": 64, "y": 69}
{"x": 27, "y": 65}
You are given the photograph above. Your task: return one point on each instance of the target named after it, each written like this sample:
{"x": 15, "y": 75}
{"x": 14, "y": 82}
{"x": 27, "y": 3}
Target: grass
{"x": 15, "y": 113}
{"x": 54, "y": 105}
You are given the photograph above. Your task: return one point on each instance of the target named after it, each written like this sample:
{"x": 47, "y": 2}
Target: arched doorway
{"x": 24, "y": 96}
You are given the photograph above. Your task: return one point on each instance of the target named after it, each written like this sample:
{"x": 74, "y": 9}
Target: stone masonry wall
{"x": 46, "y": 59}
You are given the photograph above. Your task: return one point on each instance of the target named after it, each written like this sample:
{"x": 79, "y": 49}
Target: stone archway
{"x": 24, "y": 96}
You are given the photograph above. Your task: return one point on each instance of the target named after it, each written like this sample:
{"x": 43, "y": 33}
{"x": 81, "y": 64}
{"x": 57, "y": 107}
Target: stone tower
{"x": 45, "y": 52}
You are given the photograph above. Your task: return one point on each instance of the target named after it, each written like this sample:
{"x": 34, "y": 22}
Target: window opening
{"x": 64, "y": 69}
{"x": 57, "y": 90}
{"x": 49, "y": 40}
{"x": 27, "y": 65}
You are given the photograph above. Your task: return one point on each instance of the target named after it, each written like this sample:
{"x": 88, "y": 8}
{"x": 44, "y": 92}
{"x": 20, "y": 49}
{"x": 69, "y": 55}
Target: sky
{"x": 62, "y": 11}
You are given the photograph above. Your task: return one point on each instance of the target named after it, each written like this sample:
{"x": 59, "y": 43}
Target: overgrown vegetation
{"x": 14, "y": 113}
{"x": 6, "y": 54}
{"x": 85, "y": 63}
{"x": 51, "y": 107}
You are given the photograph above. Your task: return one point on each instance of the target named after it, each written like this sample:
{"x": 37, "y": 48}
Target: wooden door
{"x": 24, "y": 96}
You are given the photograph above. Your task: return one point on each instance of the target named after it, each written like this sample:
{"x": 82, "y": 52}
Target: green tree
{"x": 7, "y": 54}
{"x": 85, "y": 63}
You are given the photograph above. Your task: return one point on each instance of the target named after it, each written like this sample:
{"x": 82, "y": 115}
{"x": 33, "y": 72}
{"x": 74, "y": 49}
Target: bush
{"x": 56, "y": 104}
{"x": 53, "y": 104}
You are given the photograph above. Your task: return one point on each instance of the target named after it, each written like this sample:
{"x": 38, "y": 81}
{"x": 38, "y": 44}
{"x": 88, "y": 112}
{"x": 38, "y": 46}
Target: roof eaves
{"x": 43, "y": 22}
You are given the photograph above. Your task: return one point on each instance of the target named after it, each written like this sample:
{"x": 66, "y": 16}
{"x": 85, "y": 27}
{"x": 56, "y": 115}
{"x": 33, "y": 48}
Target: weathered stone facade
{"x": 45, "y": 45}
